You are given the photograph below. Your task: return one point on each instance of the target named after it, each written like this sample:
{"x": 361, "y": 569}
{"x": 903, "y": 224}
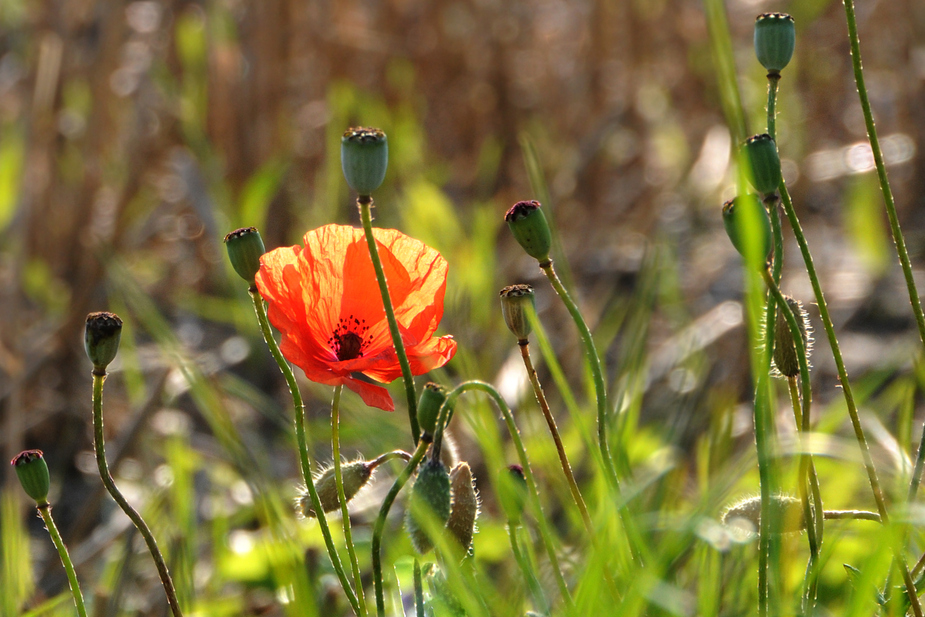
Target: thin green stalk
{"x": 99, "y": 445}
{"x": 342, "y": 497}
{"x": 418, "y": 590}
{"x": 542, "y": 603}
{"x": 554, "y": 431}
{"x": 857, "y": 515}
{"x": 773, "y": 79}
{"x": 365, "y": 203}
{"x": 305, "y": 463}
{"x": 379, "y": 527}
{"x": 45, "y": 510}
{"x": 532, "y": 491}
{"x": 861, "y": 438}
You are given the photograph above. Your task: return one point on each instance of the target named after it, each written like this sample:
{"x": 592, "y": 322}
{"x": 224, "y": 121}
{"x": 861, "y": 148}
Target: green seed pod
{"x": 101, "y": 339}
{"x": 356, "y": 475}
{"x": 431, "y": 400}
{"x": 245, "y": 246}
{"x": 788, "y": 510}
{"x": 775, "y": 38}
{"x": 517, "y": 303}
{"x": 32, "y": 471}
{"x": 765, "y": 163}
{"x": 512, "y": 493}
{"x": 428, "y": 505}
{"x": 364, "y": 157}
{"x": 747, "y": 211}
{"x": 465, "y": 507}
{"x": 528, "y": 224}
{"x": 785, "y": 353}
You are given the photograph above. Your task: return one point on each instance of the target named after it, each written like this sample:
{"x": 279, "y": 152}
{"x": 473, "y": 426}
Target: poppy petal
{"x": 372, "y": 395}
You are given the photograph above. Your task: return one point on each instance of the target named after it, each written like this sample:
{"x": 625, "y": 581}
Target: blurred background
{"x": 134, "y": 135}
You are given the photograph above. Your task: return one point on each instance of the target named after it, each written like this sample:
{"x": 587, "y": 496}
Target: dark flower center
{"x": 347, "y": 340}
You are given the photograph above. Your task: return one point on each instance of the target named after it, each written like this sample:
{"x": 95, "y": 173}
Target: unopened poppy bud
{"x": 432, "y": 398}
{"x": 355, "y": 475}
{"x": 785, "y": 354}
{"x": 245, "y": 246}
{"x": 775, "y": 38}
{"x": 429, "y": 504}
{"x": 32, "y": 472}
{"x": 465, "y": 507}
{"x": 741, "y": 213}
{"x": 517, "y": 301}
{"x": 530, "y": 229}
{"x": 765, "y": 163}
{"x": 364, "y": 156}
{"x": 786, "y": 509}
{"x": 512, "y": 493}
{"x": 101, "y": 340}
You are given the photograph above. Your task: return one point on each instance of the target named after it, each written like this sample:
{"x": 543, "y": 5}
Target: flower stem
{"x": 379, "y": 527}
{"x": 45, "y": 511}
{"x": 342, "y": 497}
{"x": 554, "y": 431}
{"x": 872, "y": 476}
{"x": 418, "y": 590}
{"x": 542, "y": 604}
{"x": 773, "y": 79}
{"x": 365, "y": 203}
{"x": 304, "y": 461}
{"x": 99, "y": 446}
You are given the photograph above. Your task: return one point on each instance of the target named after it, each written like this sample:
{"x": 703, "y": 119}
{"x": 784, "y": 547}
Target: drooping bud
{"x": 765, "y": 163}
{"x": 101, "y": 340}
{"x": 744, "y": 213}
{"x": 431, "y": 400}
{"x": 517, "y": 303}
{"x": 465, "y": 507}
{"x": 364, "y": 157}
{"x": 785, "y": 508}
{"x": 32, "y": 471}
{"x": 512, "y": 493}
{"x": 528, "y": 224}
{"x": 245, "y": 246}
{"x": 355, "y": 474}
{"x": 428, "y": 505}
{"x": 775, "y": 38}
{"x": 786, "y": 360}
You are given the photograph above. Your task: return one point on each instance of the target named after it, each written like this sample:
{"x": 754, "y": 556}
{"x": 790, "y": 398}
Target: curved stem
{"x": 554, "y": 431}
{"x": 365, "y": 203}
{"x": 305, "y": 463}
{"x": 45, "y": 511}
{"x": 861, "y": 438}
{"x": 342, "y": 497}
{"x": 99, "y": 445}
{"x": 379, "y": 527}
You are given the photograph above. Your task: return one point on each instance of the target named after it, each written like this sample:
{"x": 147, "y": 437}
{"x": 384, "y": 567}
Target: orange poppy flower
{"x": 325, "y": 300}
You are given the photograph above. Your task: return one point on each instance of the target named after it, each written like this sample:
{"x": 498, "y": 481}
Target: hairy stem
{"x": 45, "y": 511}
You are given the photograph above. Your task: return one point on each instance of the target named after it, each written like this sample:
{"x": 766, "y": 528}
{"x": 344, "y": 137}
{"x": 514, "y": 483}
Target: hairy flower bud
{"x": 364, "y": 157}
{"x": 245, "y": 246}
{"x": 786, "y": 360}
{"x": 765, "y": 163}
{"x": 517, "y": 301}
{"x": 431, "y": 400}
{"x": 101, "y": 340}
{"x": 512, "y": 493}
{"x": 465, "y": 506}
{"x": 775, "y": 38}
{"x": 788, "y": 510}
{"x": 428, "y": 505}
{"x": 742, "y": 213}
{"x": 355, "y": 475}
{"x": 528, "y": 224}
{"x": 32, "y": 471}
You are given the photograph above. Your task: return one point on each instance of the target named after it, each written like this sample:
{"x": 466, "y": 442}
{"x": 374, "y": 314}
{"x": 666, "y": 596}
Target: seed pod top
{"x": 364, "y": 156}
{"x": 530, "y": 229}
{"x": 516, "y": 302}
{"x": 32, "y": 472}
{"x": 765, "y": 163}
{"x": 245, "y": 246}
{"x": 736, "y": 213}
{"x": 432, "y": 398}
{"x": 101, "y": 340}
{"x": 775, "y": 38}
